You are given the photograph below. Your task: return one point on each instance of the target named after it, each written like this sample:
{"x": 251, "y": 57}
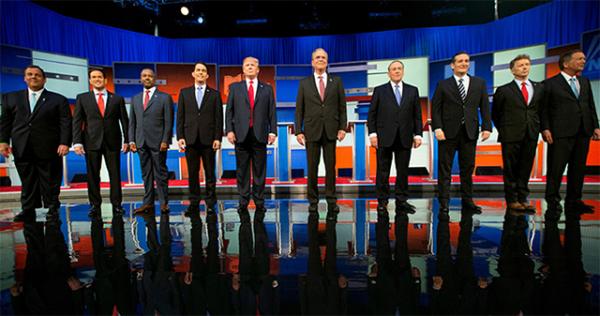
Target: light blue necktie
{"x": 398, "y": 95}
{"x": 199, "y": 96}
{"x": 574, "y": 87}
{"x": 32, "y": 101}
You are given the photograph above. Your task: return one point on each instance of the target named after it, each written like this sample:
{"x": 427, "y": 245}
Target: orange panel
{"x": 488, "y": 155}
{"x": 343, "y": 158}
{"x": 3, "y": 172}
{"x": 593, "y": 158}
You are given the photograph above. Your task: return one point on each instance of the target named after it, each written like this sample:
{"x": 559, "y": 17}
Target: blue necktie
{"x": 574, "y": 87}
{"x": 199, "y": 96}
{"x": 32, "y": 101}
{"x": 398, "y": 95}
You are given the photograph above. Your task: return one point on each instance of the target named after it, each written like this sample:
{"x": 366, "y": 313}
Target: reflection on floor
{"x": 287, "y": 261}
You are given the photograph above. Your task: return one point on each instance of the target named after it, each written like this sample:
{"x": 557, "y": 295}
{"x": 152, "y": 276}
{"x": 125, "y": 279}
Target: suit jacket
{"x": 313, "y": 117}
{"x": 45, "y": 129}
{"x": 205, "y": 125}
{"x": 153, "y": 125}
{"x": 514, "y": 119}
{"x": 237, "y": 117}
{"x": 562, "y": 113}
{"x": 448, "y": 109}
{"x": 92, "y": 130}
{"x": 387, "y": 119}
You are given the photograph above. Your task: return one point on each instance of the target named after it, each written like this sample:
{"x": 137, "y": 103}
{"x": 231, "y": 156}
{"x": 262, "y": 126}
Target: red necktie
{"x": 251, "y": 98}
{"x": 101, "y": 103}
{"x": 146, "y": 99}
{"x": 524, "y": 92}
{"x": 321, "y": 88}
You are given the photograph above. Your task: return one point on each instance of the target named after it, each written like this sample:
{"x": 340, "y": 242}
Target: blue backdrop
{"x": 557, "y": 23}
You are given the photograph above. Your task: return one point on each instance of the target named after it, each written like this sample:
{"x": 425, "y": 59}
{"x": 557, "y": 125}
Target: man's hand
{"x": 272, "y": 139}
{"x": 79, "y": 150}
{"x": 374, "y": 141}
{"x": 216, "y": 145}
{"x": 596, "y": 135}
{"x": 547, "y": 136}
{"x": 62, "y": 150}
{"x": 132, "y": 147}
{"x": 125, "y": 148}
{"x": 300, "y": 139}
{"x": 341, "y": 134}
{"x": 164, "y": 146}
{"x": 181, "y": 144}
{"x": 439, "y": 135}
{"x": 231, "y": 138}
{"x": 485, "y": 135}
{"x": 4, "y": 150}
{"x": 417, "y": 141}
{"x": 438, "y": 282}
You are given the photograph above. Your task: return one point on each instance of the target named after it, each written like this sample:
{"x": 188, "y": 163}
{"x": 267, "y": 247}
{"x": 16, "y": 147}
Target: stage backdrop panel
{"x": 502, "y": 72}
{"x": 416, "y": 73}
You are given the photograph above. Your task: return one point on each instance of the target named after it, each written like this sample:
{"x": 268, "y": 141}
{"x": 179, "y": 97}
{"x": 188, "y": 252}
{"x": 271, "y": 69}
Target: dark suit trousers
{"x": 39, "y": 178}
{"x": 384, "y": 163}
{"x": 518, "y": 161}
{"x": 313, "y": 157}
{"x": 154, "y": 168}
{"x": 251, "y": 151}
{"x": 466, "y": 159}
{"x": 93, "y": 159}
{"x": 572, "y": 151}
{"x": 193, "y": 154}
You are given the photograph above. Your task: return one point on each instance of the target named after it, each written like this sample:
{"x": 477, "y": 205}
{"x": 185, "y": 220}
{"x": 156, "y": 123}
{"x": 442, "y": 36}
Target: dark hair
{"x": 459, "y": 53}
{"x": 566, "y": 57}
{"x": 519, "y": 57}
{"x": 201, "y": 63}
{"x": 36, "y": 67}
{"x": 97, "y": 69}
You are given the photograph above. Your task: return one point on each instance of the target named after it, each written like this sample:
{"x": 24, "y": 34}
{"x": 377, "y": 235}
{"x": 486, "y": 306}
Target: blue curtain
{"x": 557, "y": 23}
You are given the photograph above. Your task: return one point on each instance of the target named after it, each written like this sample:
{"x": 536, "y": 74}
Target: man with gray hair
{"x": 320, "y": 121}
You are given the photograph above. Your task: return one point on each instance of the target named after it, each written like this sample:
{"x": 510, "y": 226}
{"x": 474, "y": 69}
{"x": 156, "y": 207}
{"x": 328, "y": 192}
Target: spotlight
{"x": 184, "y": 10}
{"x": 200, "y": 20}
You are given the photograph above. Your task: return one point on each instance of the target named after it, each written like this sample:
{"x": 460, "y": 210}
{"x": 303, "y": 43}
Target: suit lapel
{"x": 404, "y": 95}
{"x": 515, "y": 88}
{"x": 151, "y": 101}
{"x": 40, "y": 102}
{"x": 204, "y": 98}
{"x": 328, "y": 87}
{"x": 245, "y": 93}
{"x": 566, "y": 85}
{"x": 313, "y": 87}
{"x": 455, "y": 90}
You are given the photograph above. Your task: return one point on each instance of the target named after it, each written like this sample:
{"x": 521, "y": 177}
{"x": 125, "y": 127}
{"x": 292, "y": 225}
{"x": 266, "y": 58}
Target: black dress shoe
{"x": 146, "y": 208}
{"x": 118, "y": 211}
{"x": 52, "y": 215}
{"x": 471, "y": 207}
{"x": 25, "y": 216}
{"x": 405, "y": 207}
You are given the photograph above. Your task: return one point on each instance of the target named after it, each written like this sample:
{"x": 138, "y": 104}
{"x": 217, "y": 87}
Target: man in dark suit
{"x": 98, "y": 120}
{"x": 38, "y": 122}
{"x": 455, "y": 120}
{"x": 251, "y": 124}
{"x": 199, "y": 133}
{"x": 320, "y": 120}
{"x": 515, "y": 113}
{"x": 394, "y": 126}
{"x": 150, "y": 132}
{"x": 569, "y": 119}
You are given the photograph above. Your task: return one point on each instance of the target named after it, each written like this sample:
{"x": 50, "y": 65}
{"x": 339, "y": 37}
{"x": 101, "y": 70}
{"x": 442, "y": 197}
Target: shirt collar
{"x": 317, "y": 76}
{"x": 527, "y": 82}
{"x": 457, "y": 78}
{"x": 567, "y": 77}
{"x": 200, "y": 85}
{"x": 39, "y": 92}
{"x": 151, "y": 90}
{"x": 254, "y": 82}
{"x": 104, "y": 92}
{"x": 394, "y": 85}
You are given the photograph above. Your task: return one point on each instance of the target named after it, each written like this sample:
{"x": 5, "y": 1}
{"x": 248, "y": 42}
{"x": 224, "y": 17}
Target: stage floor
{"x": 495, "y": 262}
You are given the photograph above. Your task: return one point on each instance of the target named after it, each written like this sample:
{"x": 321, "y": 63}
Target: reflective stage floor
{"x": 287, "y": 261}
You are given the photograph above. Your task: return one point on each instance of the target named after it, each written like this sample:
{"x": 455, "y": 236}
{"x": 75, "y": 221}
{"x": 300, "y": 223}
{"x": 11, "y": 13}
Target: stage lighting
{"x": 200, "y": 20}
{"x": 184, "y": 10}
